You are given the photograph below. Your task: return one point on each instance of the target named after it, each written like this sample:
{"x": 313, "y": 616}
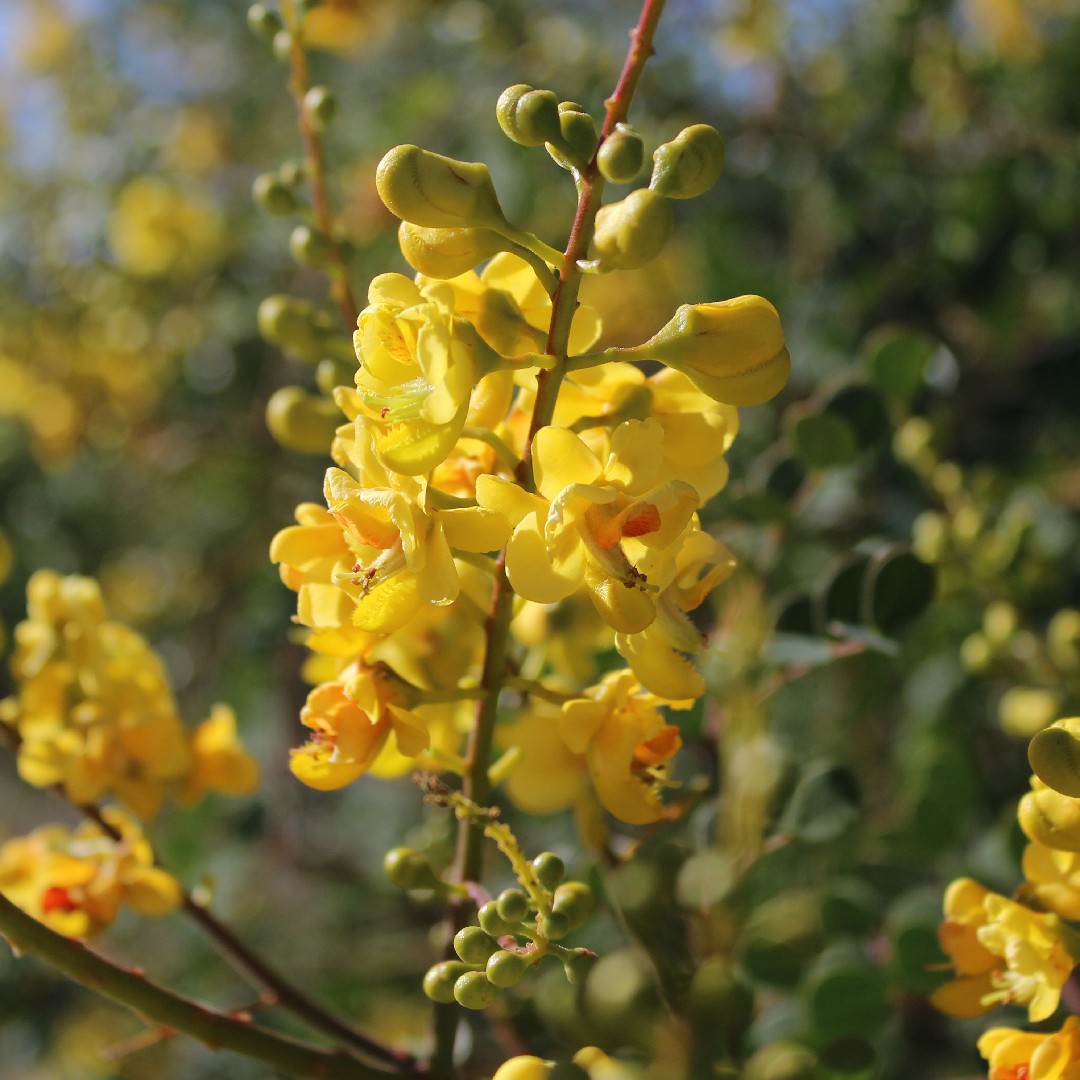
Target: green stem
{"x": 538, "y": 690}
{"x": 506, "y": 457}
{"x": 220, "y": 1031}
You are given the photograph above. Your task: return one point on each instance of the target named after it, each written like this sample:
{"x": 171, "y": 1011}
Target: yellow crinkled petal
{"x": 151, "y": 891}
{"x": 533, "y": 573}
{"x": 475, "y": 529}
{"x": 491, "y": 399}
{"x": 299, "y": 545}
{"x": 414, "y": 447}
{"x": 659, "y": 668}
{"x": 312, "y": 765}
{"x": 394, "y": 290}
{"x": 560, "y": 459}
{"x": 437, "y": 582}
{"x": 579, "y": 722}
{"x": 321, "y": 605}
{"x": 963, "y": 998}
{"x": 410, "y": 731}
{"x": 388, "y": 606}
{"x": 1050, "y": 818}
{"x": 1006, "y": 1048}
{"x": 548, "y": 776}
{"x": 625, "y": 610}
{"x": 636, "y": 453}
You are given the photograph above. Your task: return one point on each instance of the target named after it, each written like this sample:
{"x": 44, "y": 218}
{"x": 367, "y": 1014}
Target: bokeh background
{"x": 902, "y": 183}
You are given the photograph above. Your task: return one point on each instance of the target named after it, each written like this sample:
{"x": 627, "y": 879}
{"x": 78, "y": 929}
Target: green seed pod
{"x": 1054, "y": 756}
{"x": 440, "y": 979}
{"x": 492, "y": 922}
{"x": 292, "y": 325}
{"x": 631, "y": 232}
{"x": 473, "y": 945}
{"x": 283, "y": 44}
{"x": 263, "y": 22}
{"x": 512, "y": 905}
{"x": 621, "y": 155}
{"x": 310, "y": 248}
{"x": 688, "y": 165}
{"x": 321, "y": 105}
{"x": 437, "y": 192}
{"x": 446, "y": 253}
{"x": 473, "y": 991}
{"x": 549, "y": 869}
{"x": 408, "y": 869}
{"x": 504, "y": 968}
{"x": 302, "y": 421}
{"x": 529, "y": 117}
{"x": 271, "y": 195}
{"x": 576, "y": 901}
{"x": 578, "y": 130}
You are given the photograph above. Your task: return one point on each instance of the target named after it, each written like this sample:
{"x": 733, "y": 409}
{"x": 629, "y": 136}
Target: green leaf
{"x": 823, "y": 441}
{"x": 898, "y": 588}
{"x": 845, "y": 994}
{"x": 824, "y": 804}
{"x": 897, "y": 360}
{"x": 864, "y": 411}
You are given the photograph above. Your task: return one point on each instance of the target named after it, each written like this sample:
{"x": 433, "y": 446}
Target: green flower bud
{"x": 1063, "y": 639}
{"x": 446, "y": 253}
{"x": 554, "y": 926}
{"x": 440, "y": 979}
{"x": 408, "y": 869}
{"x": 271, "y": 195}
{"x": 292, "y": 325}
{"x": 505, "y": 968}
{"x": 578, "y": 130}
{"x": 302, "y": 421}
{"x": 283, "y": 44}
{"x": 732, "y": 350}
{"x": 631, "y": 232}
{"x": 473, "y": 991}
{"x": 492, "y": 922}
{"x": 529, "y": 117}
{"x": 1054, "y": 756}
{"x": 331, "y": 373}
{"x": 575, "y": 900}
{"x": 512, "y": 905}
{"x": 621, "y": 155}
{"x": 549, "y": 869}
{"x": 688, "y": 165}
{"x": 292, "y": 173}
{"x": 437, "y": 192}
{"x": 719, "y": 1002}
{"x": 578, "y": 965}
{"x": 263, "y": 22}
{"x": 320, "y": 105}
{"x": 310, "y": 248}
{"x": 473, "y": 945}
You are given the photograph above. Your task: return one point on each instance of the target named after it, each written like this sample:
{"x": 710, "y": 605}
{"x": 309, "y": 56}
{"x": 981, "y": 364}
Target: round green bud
{"x": 492, "y": 922}
{"x": 578, "y": 965}
{"x": 283, "y": 45}
{"x": 291, "y": 324}
{"x": 524, "y": 1067}
{"x": 302, "y": 421}
{"x": 320, "y": 105}
{"x": 505, "y": 968}
{"x": 578, "y": 130}
{"x": 621, "y": 155}
{"x": 554, "y": 926}
{"x": 473, "y": 991}
{"x": 1063, "y": 639}
{"x": 549, "y": 869}
{"x": 446, "y": 253}
{"x": 408, "y": 869}
{"x": 688, "y": 165}
{"x": 473, "y": 945}
{"x": 310, "y": 248}
{"x": 512, "y": 905}
{"x": 440, "y": 979}
{"x": 437, "y": 192}
{"x": 332, "y": 373}
{"x": 292, "y": 173}
{"x": 263, "y": 22}
{"x": 529, "y": 117}
{"x": 576, "y": 901}
{"x": 271, "y": 195}
{"x": 632, "y": 232}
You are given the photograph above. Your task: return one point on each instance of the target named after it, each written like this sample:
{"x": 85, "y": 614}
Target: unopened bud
{"x": 437, "y": 192}
{"x": 446, "y": 253}
{"x": 271, "y": 195}
{"x": 291, "y": 324}
{"x": 621, "y": 155}
{"x": 631, "y": 232}
{"x": 575, "y": 900}
{"x": 263, "y": 22}
{"x": 732, "y": 350}
{"x": 283, "y": 45}
{"x": 578, "y": 130}
{"x": 529, "y": 117}
{"x": 1050, "y": 818}
{"x": 688, "y": 165}
{"x": 523, "y": 1067}
{"x": 1054, "y": 756}
{"x": 310, "y": 248}
{"x": 473, "y": 991}
{"x": 302, "y": 421}
{"x": 321, "y": 106}
{"x": 440, "y": 979}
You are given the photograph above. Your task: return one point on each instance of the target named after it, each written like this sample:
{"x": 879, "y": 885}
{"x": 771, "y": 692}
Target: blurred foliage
{"x": 901, "y": 183}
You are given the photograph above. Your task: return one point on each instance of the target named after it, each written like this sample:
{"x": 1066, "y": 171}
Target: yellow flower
{"x": 1002, "y": 952}
{"x": 220, "y": 763}
{"x": 76, "y": 881}
{"x": 605, "y": 527}
{"x": 548, "y": 776}
{"x": 1053, "y": 878}
{"x": 1050, "y": 818}
{"x": 1022, "y": 1055}
{"x": 626, "y": 745}
{"x": 351, "y": 720}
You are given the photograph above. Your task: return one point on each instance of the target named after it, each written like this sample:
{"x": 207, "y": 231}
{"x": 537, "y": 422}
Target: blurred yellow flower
{"x": 1024, "y": 1055}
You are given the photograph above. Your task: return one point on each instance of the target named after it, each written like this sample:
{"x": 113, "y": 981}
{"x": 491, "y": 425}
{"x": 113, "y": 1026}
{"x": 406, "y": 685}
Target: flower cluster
{"x": 94, "y": 714}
